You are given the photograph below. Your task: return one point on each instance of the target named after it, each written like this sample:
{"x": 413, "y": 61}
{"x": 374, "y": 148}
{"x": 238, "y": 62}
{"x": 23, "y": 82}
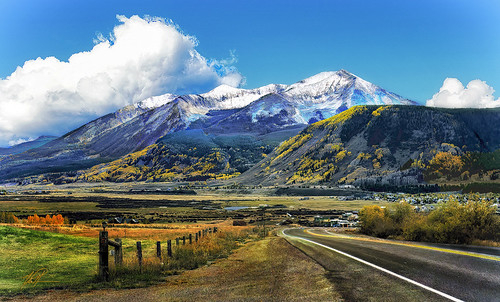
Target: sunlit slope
{"x": 395, "y": 145}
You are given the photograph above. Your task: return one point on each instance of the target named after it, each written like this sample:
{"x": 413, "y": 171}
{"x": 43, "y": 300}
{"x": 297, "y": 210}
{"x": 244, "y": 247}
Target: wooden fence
{"x": 105, "y": 242}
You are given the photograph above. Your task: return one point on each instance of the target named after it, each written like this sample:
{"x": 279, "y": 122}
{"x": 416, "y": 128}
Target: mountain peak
{"x": 345, "y": 73}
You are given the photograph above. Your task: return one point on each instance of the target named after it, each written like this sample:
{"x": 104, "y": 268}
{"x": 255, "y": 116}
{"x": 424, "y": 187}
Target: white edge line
{"x": 380, "y": 268}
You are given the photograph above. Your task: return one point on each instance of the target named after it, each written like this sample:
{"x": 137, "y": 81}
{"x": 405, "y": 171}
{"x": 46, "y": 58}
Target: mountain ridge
{"x": 370, "y": 144}
{"x": 137, "y": 126}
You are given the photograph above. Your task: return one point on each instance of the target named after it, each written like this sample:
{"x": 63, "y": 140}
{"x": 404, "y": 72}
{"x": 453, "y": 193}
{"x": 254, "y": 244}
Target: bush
{"x": 456, "y": 222}
{"x": 376, "y": 221}
{"x": 55, "y": 219}
{"x": 452, "y": 222}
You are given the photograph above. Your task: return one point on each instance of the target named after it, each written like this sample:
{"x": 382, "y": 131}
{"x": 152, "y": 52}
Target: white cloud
{"x": 20, "y": 141}
{"x": 143, "y": 57}
{"x": 453, "y": 94}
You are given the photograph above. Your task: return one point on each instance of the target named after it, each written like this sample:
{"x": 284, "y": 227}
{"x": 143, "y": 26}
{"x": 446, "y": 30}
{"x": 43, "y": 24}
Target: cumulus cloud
{"x": 142, "y": 57}
{"x": 453, "y": 94}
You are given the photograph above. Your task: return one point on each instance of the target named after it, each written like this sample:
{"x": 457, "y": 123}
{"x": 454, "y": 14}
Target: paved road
{"x": 467, "y": 274}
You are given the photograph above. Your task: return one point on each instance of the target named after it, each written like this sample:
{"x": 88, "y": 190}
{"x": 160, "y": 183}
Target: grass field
{"x": 264, "y": 270}
{"x": 58, "y": 260}
{"x": 28, "y": 205}
{"x": 32, "y": 260}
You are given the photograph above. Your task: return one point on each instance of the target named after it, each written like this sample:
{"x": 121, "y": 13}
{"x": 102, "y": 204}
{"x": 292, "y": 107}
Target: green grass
{"x": 65, "y": 261}
{"x": 68, "y": 261}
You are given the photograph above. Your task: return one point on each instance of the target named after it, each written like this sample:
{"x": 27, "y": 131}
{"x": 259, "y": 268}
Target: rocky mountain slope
{"x": 222, "y": 111}
{"x": 23, "y": 147}
{"x": 384, "y": 145}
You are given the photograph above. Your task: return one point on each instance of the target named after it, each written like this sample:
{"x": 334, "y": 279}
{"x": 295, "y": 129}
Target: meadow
{"x": 36, "y": 258}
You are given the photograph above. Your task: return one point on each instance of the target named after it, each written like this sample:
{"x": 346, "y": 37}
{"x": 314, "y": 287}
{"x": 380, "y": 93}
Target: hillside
{"x": 222, "y": 111}
{"x": 22, "y": 147}
{"x": 385, "y": 145}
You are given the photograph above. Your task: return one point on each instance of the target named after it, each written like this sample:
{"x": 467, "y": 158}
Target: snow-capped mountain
{"x": 333, "y": 90}
{"x": 315, "y": 98}
{"x": 225, "y": 109}
{"x": 278, "y": 106}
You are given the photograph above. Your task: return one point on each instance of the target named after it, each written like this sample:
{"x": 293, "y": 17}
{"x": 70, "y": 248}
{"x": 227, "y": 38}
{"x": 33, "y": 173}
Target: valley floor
{"x": 265, "y": 270}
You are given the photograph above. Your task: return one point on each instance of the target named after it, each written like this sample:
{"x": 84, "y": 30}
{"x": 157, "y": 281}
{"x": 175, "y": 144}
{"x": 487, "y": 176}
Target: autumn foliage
{"x": 447, "y": 163}
{"x": 55, "y": 219}
{"x": 7, "y": 217}
{"x": 451, "y": 222}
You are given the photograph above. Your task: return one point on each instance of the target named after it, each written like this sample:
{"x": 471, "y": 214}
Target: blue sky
{"x": 407, "y": 47}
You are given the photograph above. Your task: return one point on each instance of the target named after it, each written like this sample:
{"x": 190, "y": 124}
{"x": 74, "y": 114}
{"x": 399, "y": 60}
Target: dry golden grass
{"x": 157, "y": 232}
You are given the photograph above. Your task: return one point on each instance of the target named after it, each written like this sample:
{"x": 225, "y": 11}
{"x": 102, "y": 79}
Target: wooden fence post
{"x": 184, "y": 240}
{"x": 169, "y": 248}
{"x": 196, "y": 237}
{"x": 190, "y": 238}
{"x": 215, "y": 229}
{"x": 177, "y": 241}
{"x": 118, "y": 251}
{"x": 139, "y": 254}
{"x": 158, "y": 250}
{"x": 103, "y": 256}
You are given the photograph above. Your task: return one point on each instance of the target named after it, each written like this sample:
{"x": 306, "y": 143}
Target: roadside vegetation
{"x": 33, "y": 260}
{"x": 263, "y": 270}
{"x": 453, "y": 221}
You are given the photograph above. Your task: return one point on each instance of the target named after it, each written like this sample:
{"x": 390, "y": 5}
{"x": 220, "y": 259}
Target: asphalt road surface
{"x": 421, "y": 271}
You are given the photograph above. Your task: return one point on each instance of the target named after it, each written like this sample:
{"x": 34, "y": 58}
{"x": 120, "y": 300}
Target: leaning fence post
{"x": 158, "y": 250}
{"x": 118, "y": 252}
{"x": 139, "y": 254}
{"x": 169, "y": 248}
{"x": 103, "y": 256}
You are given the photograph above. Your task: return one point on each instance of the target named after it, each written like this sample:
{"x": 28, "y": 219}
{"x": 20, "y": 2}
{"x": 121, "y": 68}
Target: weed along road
{"x": 384, "y": 270}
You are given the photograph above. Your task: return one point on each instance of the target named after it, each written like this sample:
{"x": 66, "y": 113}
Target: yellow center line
{"x": 471, "y": 254}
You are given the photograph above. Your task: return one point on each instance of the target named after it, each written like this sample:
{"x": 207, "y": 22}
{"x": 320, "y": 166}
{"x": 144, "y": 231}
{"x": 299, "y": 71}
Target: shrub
{"x": 55, "y": 219}
{"x": 451, "y": 222}
{"x": 376, "y": 221}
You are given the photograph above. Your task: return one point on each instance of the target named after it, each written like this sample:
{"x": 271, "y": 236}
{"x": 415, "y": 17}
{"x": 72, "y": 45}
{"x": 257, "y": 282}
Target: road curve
{"x": 458, "y": 273}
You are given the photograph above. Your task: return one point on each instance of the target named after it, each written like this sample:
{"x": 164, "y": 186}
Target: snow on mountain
{"x": 156, "y": 101}
{"x": 227, "y": 97}
{"x": 320, "y": 96}
{"x": 310, "y": 100}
